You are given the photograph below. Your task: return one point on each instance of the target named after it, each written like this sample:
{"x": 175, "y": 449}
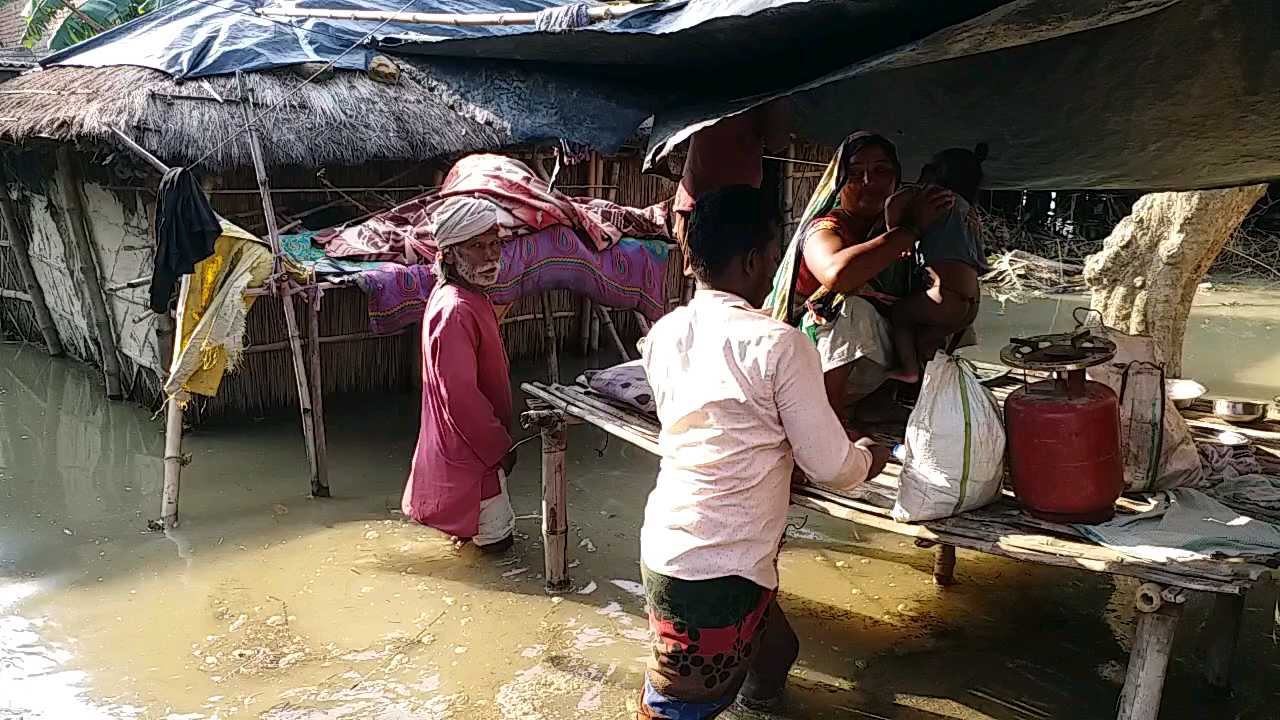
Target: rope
{"x": 287, "y": 96}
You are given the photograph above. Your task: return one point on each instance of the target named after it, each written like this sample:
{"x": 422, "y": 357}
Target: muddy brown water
{"x": 268, "y": 604}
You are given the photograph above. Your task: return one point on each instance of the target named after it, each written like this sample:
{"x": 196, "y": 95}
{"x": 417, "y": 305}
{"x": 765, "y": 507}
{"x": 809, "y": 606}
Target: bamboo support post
{"x": 549, "y": 340}
{"x": 173, "y": 423}
{"x": 595, "y": 329}
{"x": 318, "y": 487}
{"x": 21, "y": 245}
{"x": 944, "y": 566}
{"x": 555, "y": 521}
{"x": 1223, "y": 629}
{"x": 606, "y": 319}
{"x": 90, "y": 283}
{"x": 1158, "y": 612}
{"x": 584, "y": 325}
{"x": 169, "y": 333}
{"x": 316, "y": 378}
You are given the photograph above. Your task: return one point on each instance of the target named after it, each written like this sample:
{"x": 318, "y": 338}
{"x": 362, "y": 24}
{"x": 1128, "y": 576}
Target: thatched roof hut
{"x": 345, "y": 141}
{"x": 341, "y": 118}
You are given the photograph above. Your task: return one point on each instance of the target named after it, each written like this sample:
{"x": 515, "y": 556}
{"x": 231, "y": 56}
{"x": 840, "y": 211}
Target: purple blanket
{"x": 631, "y": 275}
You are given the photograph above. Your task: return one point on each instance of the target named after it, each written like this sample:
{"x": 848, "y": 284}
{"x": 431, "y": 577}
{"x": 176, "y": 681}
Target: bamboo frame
{"x": 555, "y": 521}
{"x": 21, "y": 245}
{"x": 86, "y": 267}
{"x": 319, "y": 474}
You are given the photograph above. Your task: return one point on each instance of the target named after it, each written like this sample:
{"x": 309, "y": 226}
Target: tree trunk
{"x": 1145, "y": 277}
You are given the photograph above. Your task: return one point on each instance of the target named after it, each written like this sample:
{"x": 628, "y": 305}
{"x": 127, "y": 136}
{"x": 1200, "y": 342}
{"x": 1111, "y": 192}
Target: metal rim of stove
{"x": 1090, "y": 350}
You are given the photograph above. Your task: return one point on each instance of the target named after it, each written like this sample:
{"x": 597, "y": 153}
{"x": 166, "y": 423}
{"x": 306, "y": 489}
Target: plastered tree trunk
{"x": 1145, "y": 277}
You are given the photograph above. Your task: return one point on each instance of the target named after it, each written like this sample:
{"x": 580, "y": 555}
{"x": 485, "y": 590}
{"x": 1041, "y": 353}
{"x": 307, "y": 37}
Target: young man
{"x": 742, "y": 403}
{"x": 457, "y": 483}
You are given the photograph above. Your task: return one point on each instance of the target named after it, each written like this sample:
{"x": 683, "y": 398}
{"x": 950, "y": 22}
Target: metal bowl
{"x": 1183, "y": 392}
{"x": 1239, "y": 411}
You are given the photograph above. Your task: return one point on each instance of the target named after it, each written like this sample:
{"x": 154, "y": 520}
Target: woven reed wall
{"x": 17, "y": 319}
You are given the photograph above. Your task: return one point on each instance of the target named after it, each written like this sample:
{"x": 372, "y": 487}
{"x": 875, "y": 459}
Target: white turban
{"x": 460, "y": 218}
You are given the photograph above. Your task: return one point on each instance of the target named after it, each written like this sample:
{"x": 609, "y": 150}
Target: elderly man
{"x": 457, "y": 483}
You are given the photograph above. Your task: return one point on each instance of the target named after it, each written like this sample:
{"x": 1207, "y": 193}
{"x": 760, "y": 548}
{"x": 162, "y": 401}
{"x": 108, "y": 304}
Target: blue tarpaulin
{"x": 1090, "y": 94}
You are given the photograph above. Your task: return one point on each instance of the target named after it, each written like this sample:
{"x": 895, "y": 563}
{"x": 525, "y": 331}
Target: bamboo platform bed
{"x": 999, "y": 529}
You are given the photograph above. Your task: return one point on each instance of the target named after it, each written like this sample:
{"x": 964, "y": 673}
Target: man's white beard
{"x": 480, "y": 277}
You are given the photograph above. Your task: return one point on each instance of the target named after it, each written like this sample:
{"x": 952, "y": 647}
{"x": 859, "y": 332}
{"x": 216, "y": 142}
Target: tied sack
{"x": 954, "y": 445}
{"x": 1159, "y": 452}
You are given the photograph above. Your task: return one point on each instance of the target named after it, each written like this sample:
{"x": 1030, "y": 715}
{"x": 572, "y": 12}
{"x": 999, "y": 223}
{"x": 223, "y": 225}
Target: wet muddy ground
{"x": 268, "y": 604}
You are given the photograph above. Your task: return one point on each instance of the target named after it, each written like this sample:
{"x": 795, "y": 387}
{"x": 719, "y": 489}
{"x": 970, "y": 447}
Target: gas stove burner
{"x": 1058, "y": 351}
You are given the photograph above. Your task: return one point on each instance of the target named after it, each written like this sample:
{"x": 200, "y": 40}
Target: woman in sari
{"x": 850, "y": 259}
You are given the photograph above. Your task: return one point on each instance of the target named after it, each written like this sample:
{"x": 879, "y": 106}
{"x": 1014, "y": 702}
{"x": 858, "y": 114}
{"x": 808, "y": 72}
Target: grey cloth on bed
{"x": 1185, "y": 524}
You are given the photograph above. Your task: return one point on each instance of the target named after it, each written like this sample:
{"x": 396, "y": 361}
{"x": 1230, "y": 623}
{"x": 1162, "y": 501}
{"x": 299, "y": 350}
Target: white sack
{"x": 954, "y": 445}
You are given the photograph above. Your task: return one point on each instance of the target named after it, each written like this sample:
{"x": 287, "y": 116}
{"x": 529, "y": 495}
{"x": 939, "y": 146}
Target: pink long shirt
{"x": 466, "y": 413}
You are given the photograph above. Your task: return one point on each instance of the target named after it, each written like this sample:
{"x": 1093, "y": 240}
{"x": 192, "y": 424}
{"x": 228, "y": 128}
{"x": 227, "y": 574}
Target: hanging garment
{"x": 186, "y": 228}
{"x": 216, "y": 309}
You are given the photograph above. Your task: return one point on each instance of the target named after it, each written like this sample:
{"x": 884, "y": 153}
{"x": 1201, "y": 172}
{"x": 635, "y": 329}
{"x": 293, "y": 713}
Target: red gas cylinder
{"x": 1063, "y": 434}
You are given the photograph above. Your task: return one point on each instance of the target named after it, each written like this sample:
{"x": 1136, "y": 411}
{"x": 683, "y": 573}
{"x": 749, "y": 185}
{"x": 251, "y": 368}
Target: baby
{"x": 952, "y": 257}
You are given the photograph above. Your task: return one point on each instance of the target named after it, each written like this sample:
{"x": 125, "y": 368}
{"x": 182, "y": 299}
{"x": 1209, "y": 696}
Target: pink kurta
{"x": 466, "y": 413}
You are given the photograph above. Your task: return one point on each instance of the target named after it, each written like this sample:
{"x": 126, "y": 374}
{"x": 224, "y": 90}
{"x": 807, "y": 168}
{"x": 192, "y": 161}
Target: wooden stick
{"x": 1148, "y": 662}
{"x": 21, "y": 245}
{"x": 584, "y": 325}
{"x": 317, "y": 397}
{"x": 607, "y": 321}
{"x": 327, "y": 339}
{"x": 944, "y": 566}
{"x": 1223, "y": 630}
{"x": 90, "y": 283}
{"x": 173, "y": 423}
{"x": 549, "y": 340}
{"x": 14, "y": 295}
{"x": 595, "y": 330}
{"x": 141, "y": 152}
{"x": 596, "y": 14}
{"x": 601, "y": 420}
{"x": 555, "y": 521}
{"x": 318, "y": 489}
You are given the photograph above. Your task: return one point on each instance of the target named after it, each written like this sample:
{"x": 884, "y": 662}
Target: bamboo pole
{"x": 318, "y": 488}
{"x": 944, "y": 566}
{"x": 169, "y": 333}
{"x": 1149, "y": 661}
{"x": 317, "y": 391}
{"x": 584, "y": 325}
{"x": 596, "y": 14}
{"x": 21, "y": 245}
{"x": 607, "y": 321}
{"x": 555, "y": 521}
{"x": 549, "y": 340}
{"x": 173, "y": 423}
{"x": 90, "y": 283}
{"x": 1223, "y": 629}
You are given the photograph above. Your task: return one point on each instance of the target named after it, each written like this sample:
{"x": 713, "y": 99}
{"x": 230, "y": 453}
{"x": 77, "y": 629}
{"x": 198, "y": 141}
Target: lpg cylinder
{"x": 1064, "y": 449}
{"x": 1063, "y": 434}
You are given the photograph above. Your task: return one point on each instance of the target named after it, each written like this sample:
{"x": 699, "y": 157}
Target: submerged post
{"x": 549, "y": 341}
{"x": 555, "y": 520}
{"x": 317, "y": 390}
{"x": 173, "y": 425}
{"x": 21, "y": 245}
{"x": 319, "y": 484}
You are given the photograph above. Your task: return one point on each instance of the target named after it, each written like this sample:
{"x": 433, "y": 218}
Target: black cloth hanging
{"x": 186, "y": 229}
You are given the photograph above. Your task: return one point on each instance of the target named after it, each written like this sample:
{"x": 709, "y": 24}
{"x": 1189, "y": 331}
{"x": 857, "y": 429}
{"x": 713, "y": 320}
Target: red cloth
{"x": 465, "y": 429}
{"x": 727, "y": 153}
{"x": 401, "y": 235}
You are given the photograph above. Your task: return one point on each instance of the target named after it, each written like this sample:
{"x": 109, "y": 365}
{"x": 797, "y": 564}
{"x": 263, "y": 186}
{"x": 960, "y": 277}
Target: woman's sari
{"x": 823, "y": 303}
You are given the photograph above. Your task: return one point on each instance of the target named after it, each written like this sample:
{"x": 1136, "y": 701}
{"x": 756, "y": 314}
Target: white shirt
{"x": 741, "y": 401}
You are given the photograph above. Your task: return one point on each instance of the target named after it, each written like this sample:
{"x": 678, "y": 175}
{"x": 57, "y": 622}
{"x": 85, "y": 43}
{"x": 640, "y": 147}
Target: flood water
{"x": 268, "y": 604}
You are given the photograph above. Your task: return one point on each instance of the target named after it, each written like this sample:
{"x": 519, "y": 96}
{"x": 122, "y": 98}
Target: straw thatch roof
{"x": 346, "y": 119}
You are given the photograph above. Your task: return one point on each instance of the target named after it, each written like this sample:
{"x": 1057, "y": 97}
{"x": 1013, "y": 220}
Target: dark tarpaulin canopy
{"x": 1143, "y": 95}
{"x": 1091, "y": 94}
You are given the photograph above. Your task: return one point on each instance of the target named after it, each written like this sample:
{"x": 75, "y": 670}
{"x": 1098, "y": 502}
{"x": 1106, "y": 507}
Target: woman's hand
{"x": 897, "y": 208}
{"x": 928, "y": 206}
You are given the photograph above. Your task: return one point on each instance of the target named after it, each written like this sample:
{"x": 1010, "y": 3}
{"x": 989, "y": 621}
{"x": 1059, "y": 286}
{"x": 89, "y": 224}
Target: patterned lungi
{"x": 704, "y": 635}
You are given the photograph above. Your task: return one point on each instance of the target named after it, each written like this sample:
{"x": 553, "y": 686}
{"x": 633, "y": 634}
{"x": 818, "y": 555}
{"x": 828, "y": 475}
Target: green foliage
{"x": 72, "y": 24}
